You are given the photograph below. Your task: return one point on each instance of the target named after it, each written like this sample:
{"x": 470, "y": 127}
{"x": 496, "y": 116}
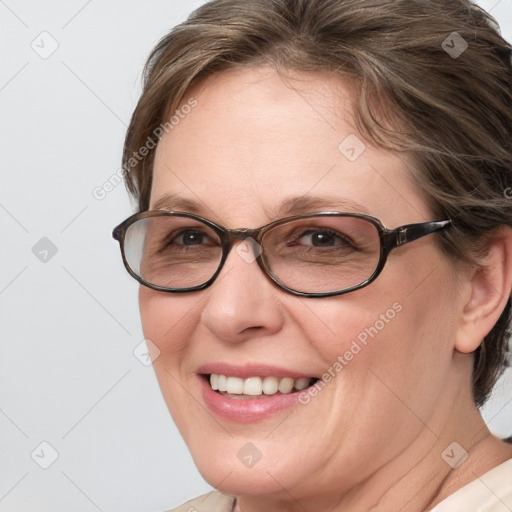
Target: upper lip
{"x": 250, "y": 370}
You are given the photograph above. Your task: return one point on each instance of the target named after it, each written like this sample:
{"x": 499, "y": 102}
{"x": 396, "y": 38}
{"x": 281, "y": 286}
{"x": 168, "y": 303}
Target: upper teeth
{"x": 257, "y": 385}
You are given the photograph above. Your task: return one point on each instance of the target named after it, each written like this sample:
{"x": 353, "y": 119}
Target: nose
{"x": 242, "y": 302}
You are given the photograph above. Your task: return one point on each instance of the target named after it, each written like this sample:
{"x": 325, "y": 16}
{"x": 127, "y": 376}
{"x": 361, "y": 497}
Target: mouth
{"x": 252, "y": 392}
{"x": 257, "y": 387}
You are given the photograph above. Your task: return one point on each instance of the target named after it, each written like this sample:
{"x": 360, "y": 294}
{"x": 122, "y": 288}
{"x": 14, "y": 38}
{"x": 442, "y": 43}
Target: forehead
{"x": 256, "y": 140}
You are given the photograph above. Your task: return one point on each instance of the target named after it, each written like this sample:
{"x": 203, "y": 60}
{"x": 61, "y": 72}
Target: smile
{"x": 252, "y": 392}
{"x": 236, "y": 387}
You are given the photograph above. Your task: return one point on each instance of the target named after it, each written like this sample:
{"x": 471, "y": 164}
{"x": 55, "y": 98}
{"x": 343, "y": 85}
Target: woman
{"x": 325, "y": 251}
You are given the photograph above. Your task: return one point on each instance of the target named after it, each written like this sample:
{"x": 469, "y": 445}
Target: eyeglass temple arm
{"x": 410, "y": 232}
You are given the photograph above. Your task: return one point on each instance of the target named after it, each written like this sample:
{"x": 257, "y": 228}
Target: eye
{"x": 189, "y": 237}
{"x": 321, "y": 237}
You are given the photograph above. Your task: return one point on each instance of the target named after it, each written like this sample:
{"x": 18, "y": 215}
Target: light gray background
{"x": 70, "y": 324}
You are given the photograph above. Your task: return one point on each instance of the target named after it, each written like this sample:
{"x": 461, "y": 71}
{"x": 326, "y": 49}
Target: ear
{"x": 489, "y": 290}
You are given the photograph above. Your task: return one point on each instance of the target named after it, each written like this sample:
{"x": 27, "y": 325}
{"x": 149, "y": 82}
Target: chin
{"x": 231, "y": 479}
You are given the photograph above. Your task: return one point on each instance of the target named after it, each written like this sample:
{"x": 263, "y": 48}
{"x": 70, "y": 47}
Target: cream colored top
{"x": 492, "y": 492}
{"x": 211, "y": 502}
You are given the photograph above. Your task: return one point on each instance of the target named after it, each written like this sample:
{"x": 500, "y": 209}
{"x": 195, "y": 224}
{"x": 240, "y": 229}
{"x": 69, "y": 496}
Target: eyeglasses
{"x": 311, "y": 255}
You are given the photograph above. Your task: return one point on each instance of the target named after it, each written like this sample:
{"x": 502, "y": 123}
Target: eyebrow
{"x": 176, "y": 202}
{"x": 308, "y": 203}
{"x": 290, "y": 206}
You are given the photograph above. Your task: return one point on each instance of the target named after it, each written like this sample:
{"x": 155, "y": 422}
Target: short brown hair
{"x": 439, "y": 66}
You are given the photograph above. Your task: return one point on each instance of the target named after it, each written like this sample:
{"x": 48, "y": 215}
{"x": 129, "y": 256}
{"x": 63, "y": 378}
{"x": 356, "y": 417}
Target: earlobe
{"x": 490, "y": 287}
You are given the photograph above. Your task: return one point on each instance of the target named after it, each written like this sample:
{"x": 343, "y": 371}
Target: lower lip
{"x": 246, "y": 410}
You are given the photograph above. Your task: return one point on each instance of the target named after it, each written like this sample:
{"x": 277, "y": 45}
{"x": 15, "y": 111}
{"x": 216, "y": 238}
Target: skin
{"x": 372, "y": 439}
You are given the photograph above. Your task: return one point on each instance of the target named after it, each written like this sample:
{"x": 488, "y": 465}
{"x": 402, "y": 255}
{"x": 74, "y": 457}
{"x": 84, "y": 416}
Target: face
{"x": 253, "y": 142}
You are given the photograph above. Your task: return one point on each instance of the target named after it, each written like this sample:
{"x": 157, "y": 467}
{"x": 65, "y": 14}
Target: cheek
{"x": 167, "y": 320}
{"x": 353, "y": 323}
{"x": 400, "y": 328}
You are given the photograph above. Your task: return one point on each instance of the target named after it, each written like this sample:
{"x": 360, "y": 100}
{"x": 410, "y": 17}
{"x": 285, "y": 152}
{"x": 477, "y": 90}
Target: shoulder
{"x": 211, "y": 502}
{"x": 492, "y": 492}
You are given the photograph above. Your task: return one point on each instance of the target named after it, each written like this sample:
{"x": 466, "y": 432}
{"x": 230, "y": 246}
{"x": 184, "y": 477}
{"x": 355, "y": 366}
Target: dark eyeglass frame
{"x": 389, "y": 240}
